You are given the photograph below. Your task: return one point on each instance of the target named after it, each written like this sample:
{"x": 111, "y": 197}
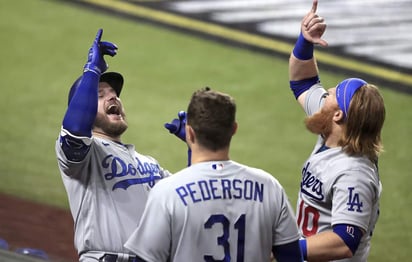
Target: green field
{"x": 44, "y": 47}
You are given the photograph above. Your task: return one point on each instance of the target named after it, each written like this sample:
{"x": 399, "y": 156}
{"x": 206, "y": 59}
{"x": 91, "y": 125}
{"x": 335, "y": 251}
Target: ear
{"x": 338, "y": 116}
{"x": 190, "y": 134}
{"x": 235, "y": 126}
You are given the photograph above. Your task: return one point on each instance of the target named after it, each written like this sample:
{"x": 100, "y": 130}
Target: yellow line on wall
{"x": 250, "y": 39}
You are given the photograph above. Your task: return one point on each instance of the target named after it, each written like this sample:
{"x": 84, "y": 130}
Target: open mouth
{"x": 113, "y": 110}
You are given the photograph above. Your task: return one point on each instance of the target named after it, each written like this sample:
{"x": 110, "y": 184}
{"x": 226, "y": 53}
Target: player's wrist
{"x": 92, "y": 68}
{"x": 303, "y": 49}
{"x": 303, "y": 248}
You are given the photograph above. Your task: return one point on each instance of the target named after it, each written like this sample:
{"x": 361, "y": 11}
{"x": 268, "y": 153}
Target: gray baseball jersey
{"x": 214, "y": 211}
{"x": 107, "y": 192}
{"x": 337, "y": 189}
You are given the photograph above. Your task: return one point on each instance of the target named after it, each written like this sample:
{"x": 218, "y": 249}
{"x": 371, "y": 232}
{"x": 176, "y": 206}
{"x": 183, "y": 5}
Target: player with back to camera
{"x": 338, "y": 202}
{"x": 216, "y": 209}
{"x": 107, "y": 181}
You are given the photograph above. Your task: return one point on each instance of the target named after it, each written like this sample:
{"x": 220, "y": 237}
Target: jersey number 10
{"x": 223, "y": 240}
{"x": 310, "y": 217}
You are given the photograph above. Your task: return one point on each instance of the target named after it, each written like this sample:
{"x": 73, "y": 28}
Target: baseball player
{"x": 216, "y": 209}
{"x": 107, "y": 181}
{"x": 338, "y": 202}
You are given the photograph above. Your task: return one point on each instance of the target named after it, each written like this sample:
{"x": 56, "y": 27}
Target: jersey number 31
{"x": 223, "y": 240}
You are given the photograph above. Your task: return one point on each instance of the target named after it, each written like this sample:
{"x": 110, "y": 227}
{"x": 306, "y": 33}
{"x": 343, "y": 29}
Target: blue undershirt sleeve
{"x": 300, "y": 86}
{"x": 82, "y": 109}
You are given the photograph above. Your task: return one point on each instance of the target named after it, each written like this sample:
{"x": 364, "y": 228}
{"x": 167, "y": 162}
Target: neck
{"x": 199, "y": 156}
{"x": 334, "y": 137}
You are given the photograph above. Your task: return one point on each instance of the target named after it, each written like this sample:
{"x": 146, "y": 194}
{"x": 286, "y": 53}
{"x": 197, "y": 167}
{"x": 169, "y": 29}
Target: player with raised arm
{"x": 338, "y": 202}
{"x": 216, "y": 209}
{"x": 107, "y": 181}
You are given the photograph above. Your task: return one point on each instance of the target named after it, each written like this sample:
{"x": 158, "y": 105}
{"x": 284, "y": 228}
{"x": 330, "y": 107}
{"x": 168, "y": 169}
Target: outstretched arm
{"x": 303, "y": 70}
{"x": 83, "y": 99}
{"x": 82, "y": 106}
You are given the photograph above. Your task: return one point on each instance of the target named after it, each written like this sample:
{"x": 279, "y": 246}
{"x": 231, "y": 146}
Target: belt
{"x": 113, "y": 258}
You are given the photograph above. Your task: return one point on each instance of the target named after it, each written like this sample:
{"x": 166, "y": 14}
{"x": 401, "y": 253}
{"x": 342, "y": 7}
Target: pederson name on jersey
{"x": 211, "y": 189}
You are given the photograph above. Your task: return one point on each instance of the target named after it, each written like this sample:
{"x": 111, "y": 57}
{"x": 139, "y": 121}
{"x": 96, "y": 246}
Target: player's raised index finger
{"x": 98, "y": 35}
{"x": 314, "y": 6}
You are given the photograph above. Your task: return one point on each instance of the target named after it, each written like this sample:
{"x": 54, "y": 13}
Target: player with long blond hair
{"x": 338, "y": 201}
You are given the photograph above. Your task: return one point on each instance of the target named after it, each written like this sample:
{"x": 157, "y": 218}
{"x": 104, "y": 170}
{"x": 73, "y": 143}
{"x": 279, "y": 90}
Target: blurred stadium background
{"x": 168, "y": 49}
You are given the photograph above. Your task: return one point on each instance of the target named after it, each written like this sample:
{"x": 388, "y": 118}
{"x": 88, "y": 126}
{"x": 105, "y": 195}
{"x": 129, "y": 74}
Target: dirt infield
{"x": 27, "y": 224}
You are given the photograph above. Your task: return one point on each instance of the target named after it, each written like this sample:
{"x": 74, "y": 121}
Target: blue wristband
{"x": 303, "y": 248}
{"x": 303, "y": 49}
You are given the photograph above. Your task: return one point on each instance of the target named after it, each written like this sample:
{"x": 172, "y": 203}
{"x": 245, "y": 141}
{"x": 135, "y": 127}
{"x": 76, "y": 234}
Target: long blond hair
{"x": 364, "y": 122}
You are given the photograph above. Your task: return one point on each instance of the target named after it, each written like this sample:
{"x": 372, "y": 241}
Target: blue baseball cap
{"x": 114, "y": 79}
{"x": 345, "y": 91}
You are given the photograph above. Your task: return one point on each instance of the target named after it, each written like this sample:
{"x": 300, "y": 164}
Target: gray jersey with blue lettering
{"x": 214, "y": 211}
{"x": 107, "y": 192}
{"x": 337, "y": 189}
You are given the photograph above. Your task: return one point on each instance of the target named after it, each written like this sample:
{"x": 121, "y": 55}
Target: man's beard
{"x": 110, "y": 128}
{"x": 321, "y": 122}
